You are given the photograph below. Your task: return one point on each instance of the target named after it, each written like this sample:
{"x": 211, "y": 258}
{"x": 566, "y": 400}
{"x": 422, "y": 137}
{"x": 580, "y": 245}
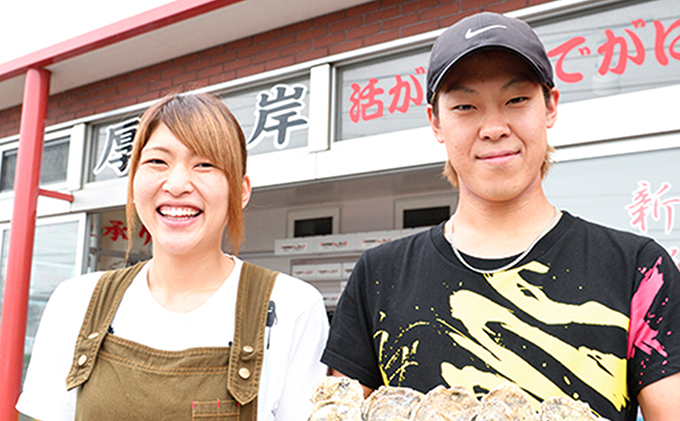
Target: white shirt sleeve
{"x": 44, "y": 394}
{"x": 291, "y": 370}
{"x": 305, "y": 369}
{"x": 293, "y": 365}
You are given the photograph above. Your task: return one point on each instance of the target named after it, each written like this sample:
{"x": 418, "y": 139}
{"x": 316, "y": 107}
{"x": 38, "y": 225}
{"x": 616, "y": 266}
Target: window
{"x": 274, "y": 116}
{"x": 57, "y": 256}
{"x": 313, "y": 226}
{"x": 110, "y": 148}
{"x": 53, "y": 168}
{"x": 623, "y": 47}
{"x": 425, "y": 217}
{"x": 383, "y": 95}
{"x": 415, "y": 212}
{"x": 309, "y": 222}
{"x": 637, "y": 192}
{"x": 109, "y": 236}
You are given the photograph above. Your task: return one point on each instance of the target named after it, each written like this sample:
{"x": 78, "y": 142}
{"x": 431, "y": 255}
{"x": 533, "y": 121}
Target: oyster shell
{"x": 391, "y": 403}
{"x": 336, "y": 411}
{"x": 495, "y": 410}
{"x": 468, "y": 415}
{"x": 563, "y": 408}
{"x": 512, "y": 396}
{"x": 446, "y": 404}
{"x": 339, "y": 389}
{"x": 341, "y": 399}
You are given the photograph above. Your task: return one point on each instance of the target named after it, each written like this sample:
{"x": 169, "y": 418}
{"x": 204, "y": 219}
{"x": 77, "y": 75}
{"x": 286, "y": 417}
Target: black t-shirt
{"x": 557, "y": 323}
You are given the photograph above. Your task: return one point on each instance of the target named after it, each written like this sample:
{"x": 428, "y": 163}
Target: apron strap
{"x": 103, "y": 305}
{"x": 247, "y": 351}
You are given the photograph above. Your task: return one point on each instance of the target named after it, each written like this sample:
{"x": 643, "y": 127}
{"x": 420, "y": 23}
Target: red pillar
{"x": 22, "y": 234}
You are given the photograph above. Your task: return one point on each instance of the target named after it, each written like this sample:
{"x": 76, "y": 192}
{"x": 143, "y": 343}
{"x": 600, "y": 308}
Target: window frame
{"x": 310, "y": 213}
{"x": 71, "y": 169}
{"x": 421, "y": 202}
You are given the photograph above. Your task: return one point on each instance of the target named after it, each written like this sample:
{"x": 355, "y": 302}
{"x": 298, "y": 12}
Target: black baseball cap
{"x": 486, "y": 30}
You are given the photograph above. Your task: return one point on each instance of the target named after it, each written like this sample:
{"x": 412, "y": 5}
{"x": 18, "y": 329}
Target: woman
{"x": 193, "y": 333}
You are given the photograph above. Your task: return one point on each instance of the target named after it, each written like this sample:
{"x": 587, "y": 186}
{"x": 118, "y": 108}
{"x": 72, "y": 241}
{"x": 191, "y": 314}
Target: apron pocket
{"x": 215, "y": 410}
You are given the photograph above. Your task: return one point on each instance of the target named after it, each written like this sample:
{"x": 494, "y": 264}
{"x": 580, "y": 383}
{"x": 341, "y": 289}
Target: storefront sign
{"x": 382, "y": 96}
{"x": 625, "y": 48}
{"x": 116, "y": 231}
{"x": 111, "y": 148}
{"x": 646, "y": 203}
{"x": 615, "y": 52}
{"x": 367, "y": 103}
{"x": 609, "y": 52}
{"x": 113, "y": 235}
{"x": 278, "y": 113}
{"x": 274, "y": 117}
{"x": 618, "y": 50}
{"x": 631, "y": 192}
{"x": 118, "y": 147}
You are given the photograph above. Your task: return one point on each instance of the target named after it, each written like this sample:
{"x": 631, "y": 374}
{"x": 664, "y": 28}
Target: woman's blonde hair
{"x": 207, "y": 127}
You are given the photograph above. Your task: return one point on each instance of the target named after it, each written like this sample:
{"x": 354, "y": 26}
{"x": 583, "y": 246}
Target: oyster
{"x": 563, "y": 408}
{"x": 336, "y": 411}
{"x": 341, "y": 399}
{"x": 339, "y": 389}
{"x": 515, "y": 399}
{"x": 447, "y": 404}
{"x": 495, "y": 410}
{"x": 468, "y": 415}
{"x": 391, "y": 403}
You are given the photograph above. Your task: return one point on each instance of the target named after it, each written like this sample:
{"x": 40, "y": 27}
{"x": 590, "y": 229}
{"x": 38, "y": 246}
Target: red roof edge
{"x": 148, "y": 21}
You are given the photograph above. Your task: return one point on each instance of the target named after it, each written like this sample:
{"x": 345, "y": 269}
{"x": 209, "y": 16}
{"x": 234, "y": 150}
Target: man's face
{"x": 493, "y": 119}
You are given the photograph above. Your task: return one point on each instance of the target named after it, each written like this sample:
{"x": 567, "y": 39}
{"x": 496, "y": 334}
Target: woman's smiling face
{"x": 181, "y": 198}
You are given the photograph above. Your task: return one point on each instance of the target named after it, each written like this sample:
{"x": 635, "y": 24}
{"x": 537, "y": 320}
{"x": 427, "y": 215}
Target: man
{"x": 510, "y": 288}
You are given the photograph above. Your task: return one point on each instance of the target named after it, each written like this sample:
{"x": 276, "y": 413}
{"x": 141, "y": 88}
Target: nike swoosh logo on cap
{"x": 470, "y": 33}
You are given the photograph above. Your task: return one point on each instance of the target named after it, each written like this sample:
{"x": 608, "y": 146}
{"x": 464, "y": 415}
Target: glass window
{"x": 9, "y": 168}
{"x": 425, "y": 217}
{"x": 313, "y": 221}
{"x": 314, "y": 226}
{"x": 53, "y": 169}
{"x": 109, "y": 236}
{"x": 614, "y": 50}
{"x": 382, "y": 95}
{"x": 636, "y": 192}
{"x": 110, "y": 149}
{"x": 55, "y": 259}
{"x": 274, "y": 116}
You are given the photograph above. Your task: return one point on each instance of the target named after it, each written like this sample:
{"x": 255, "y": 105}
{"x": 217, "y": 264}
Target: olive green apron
{"x": 123, "y": 380}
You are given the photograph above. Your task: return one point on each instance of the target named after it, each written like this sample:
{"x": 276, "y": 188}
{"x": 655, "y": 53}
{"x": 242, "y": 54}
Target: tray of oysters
{"x": 342, "y": 399}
